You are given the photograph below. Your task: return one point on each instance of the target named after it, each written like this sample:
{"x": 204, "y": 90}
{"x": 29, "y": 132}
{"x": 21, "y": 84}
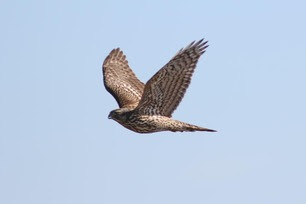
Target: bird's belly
{"x": 144, "y": 124}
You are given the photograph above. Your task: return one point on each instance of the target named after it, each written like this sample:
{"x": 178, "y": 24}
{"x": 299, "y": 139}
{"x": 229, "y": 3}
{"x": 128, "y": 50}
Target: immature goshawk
{"x": 147, "y": 108}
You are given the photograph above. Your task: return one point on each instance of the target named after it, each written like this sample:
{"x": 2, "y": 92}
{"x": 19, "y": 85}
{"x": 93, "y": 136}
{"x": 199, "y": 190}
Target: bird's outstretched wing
{"x": 120, "y": 80}
{"x": 165, "y": 90}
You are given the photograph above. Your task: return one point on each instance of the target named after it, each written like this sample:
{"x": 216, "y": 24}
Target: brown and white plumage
{"x": 165, "y": 90}
{"x": 148, "y": 108}
{"x": 120, "y": 80}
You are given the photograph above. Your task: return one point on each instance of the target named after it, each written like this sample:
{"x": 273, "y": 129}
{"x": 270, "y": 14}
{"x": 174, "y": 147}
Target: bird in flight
{"x": 147, "y": 108}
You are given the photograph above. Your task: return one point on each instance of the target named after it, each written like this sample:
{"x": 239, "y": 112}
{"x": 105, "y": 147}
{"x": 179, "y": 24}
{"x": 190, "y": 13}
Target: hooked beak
{"x": 109, "y": 116}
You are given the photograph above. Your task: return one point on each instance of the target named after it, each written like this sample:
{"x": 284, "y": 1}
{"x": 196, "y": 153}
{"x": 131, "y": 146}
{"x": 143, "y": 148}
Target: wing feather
{"x": 165, "y": 90}
{"x": 120, "y": 80}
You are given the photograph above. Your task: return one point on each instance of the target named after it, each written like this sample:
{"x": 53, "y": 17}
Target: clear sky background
{"x": 57, "y": 145}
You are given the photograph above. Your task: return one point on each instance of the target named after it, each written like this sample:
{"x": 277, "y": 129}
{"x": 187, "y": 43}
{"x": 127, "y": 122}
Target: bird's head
{"x": 118, "y": 114}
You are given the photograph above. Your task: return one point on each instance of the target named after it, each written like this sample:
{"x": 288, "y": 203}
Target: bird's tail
{"x": 185, "y": 127}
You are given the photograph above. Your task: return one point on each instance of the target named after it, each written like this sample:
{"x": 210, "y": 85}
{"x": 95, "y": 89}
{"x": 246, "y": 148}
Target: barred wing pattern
{"x": 165, "y": 90}
{"x": 120, "y": 80}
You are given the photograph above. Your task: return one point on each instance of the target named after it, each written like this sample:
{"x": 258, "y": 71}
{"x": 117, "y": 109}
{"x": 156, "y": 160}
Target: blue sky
{"x": 57, "y": 145}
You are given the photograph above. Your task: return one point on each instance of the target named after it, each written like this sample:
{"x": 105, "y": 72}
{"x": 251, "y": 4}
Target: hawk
{"x": 147, "y": 108}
